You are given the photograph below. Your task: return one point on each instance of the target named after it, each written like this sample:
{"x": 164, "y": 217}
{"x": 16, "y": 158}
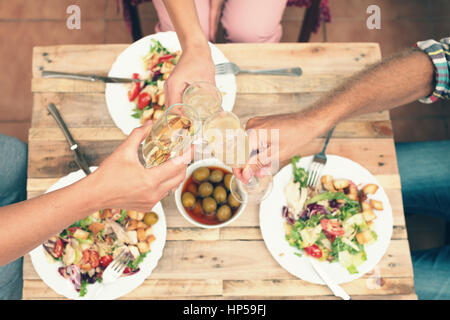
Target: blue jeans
{"x": 425, "y": 175}
{"x": 13, "y": 180}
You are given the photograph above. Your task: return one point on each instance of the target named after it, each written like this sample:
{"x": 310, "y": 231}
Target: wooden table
{"x": 230, "y": 262}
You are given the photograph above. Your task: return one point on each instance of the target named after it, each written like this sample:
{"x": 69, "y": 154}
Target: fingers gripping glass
{"x": 171, "y": 135}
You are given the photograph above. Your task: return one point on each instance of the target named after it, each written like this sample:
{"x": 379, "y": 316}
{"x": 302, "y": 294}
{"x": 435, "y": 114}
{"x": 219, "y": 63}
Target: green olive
{"x": 201, "y": 174}
{"x": 205, "y": 189}
{"x": 224, "y": 213}
{"x": 188, "y": 200}
{"x": 227, "y": 180}
{"x": 220, "y": 194}
{"x": 233, "y": 202}
{"x": 216, "y": 176}
{"x": 209, "y": 205}
{"x": 150, "y": 218}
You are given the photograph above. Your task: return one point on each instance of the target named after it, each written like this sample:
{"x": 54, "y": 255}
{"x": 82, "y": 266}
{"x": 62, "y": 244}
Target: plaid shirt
{"x": 440, "y": 55}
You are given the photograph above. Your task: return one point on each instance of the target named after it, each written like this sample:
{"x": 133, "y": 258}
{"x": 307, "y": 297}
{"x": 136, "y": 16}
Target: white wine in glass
{"x": 170, "y": 135}
{"x": 229, "y": 142}
{"x": 204, "y": 97}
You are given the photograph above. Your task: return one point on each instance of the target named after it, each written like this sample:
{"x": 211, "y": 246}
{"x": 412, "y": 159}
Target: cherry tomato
{"x": 94, "y": 258}
{"x": 135, "y": 88}
{"x": 144, "y": 100}
{"x": 314, "y": 251}
{"x": 165, "y": 58}
{"x": 58, "y": 249}
{"x": 106, "y": 260}
{"x": 127, "y": 270}
{"x": 332, "y": 226}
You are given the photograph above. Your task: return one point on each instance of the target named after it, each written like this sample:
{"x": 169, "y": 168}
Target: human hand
{"x": 123, "y": 182}
{"x": 295, "y": 131}
{"x": 214, "y": 16}
{"x": 194, "y": 65}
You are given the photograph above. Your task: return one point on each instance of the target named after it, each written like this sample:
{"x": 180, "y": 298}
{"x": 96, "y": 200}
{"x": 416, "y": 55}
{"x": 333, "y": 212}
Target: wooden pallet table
{"x": 231, "y": 262}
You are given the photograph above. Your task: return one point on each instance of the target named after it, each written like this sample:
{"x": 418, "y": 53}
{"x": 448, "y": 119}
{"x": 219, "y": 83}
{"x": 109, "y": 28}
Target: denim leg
{"x": 432, "y": 273}
{"x": 425, "y": 174}
{"x": 13, "y": 178}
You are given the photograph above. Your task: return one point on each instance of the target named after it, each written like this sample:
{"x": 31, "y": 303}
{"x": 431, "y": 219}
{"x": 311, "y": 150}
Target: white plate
{"x": 271, "y": 222}
{"x": 130, "y": 61}
{"x": 48, "y": 270}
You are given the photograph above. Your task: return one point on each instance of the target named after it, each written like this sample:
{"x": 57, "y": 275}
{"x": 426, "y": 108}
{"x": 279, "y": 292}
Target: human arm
{"x": 398, "y": 80}
{"x": 196, "y": 62}
{"x": 120, "y": 182}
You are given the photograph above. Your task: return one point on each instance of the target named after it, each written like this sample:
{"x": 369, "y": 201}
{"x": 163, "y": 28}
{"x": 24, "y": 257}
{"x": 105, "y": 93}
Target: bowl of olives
{"x": 204, "y": 198}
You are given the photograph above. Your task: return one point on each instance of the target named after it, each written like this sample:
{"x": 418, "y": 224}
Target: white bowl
{"x": 211, "y": 162}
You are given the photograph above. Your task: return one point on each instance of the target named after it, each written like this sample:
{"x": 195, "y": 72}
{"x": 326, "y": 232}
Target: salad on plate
{"x": 332, "y": 222}
{"x": 88, "y": 246}
{"x": 148, "y": 95}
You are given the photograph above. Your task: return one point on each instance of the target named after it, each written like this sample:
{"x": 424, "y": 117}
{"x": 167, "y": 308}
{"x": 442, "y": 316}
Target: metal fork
{"x": 114, "y": 270}
{"x": 229, "y": 67}
{"x": 318, "y": 163}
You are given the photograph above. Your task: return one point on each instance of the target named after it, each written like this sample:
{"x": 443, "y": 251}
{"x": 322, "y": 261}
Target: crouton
{"x": 143, "y": 247}
{"x": 364, "y": 237}
{"x": 141, "y": 234}
{"x": 96, "y": 227}
{"x": 131, "y": 225}
{"x": 378, "y": 205}
{"x": 341, "y": 183}
{"x": 132, "y": 214}
{"x": 370, "y": 188}
{"x": 369, "y": 215}
{"x": 327, "y": 182}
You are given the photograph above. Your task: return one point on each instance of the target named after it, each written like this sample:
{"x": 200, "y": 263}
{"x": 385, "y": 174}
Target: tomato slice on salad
{"x": 135, "y": 88}
{"x": 94, "y": 258}
{"x": 165, "y": 58}
{"x": 144, "y": 100}
{"x": 106, "y": 260}
{"x": 314, "y": 251}
{"x": 333, "y": 227}
{"x": 58, "y": 249}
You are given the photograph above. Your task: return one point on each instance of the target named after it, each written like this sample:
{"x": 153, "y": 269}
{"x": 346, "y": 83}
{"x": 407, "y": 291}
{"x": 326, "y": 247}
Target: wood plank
{"x": 244, "y": 83}
{"x": 396, "y": 286}
{"x": 148, "y": 289}
{"x": 243, "y": 260}
{"x": 54, "y": 159}
{"x": 349, "y": 130}
{"x": 75, "y": 106}
{"x": 314, "y": 58}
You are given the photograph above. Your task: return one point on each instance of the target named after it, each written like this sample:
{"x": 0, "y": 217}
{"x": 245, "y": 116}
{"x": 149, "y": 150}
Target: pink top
{"x": 323, "y": 16}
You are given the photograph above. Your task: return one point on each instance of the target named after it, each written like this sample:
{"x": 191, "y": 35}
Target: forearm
{"x": 401, "y": 79}
{"x": 183, "y": 15}
{"x": 27, "y": 224}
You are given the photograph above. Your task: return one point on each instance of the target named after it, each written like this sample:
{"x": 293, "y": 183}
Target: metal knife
{"x": 86, "y": 77}
{"x": 334, "y": 287}
{"x": 79, "y": 158}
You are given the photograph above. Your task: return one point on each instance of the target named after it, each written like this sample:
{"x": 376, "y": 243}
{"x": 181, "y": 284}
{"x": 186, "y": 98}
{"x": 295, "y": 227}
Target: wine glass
{"x": 230, "y": 143}
{"x": 172, "y": 134}
{"x": 204, "y": 97}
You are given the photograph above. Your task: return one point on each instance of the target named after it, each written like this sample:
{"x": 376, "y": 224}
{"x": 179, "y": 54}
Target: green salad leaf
{"x": 300, "y": 174}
